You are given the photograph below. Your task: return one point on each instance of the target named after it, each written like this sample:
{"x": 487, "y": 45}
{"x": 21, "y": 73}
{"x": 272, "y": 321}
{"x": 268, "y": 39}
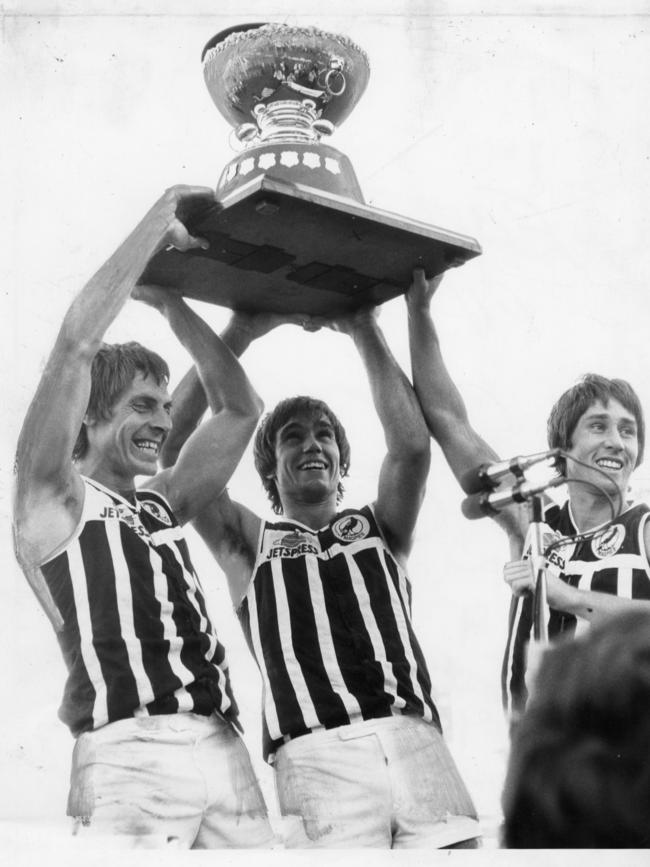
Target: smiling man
{"x": 598, "y": 424}
{"x": 349, "y": 723}
{"x": 158, "y": 759}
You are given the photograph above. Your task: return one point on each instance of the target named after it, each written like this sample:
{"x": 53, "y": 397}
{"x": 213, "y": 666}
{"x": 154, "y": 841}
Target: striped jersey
{"x": 612, "y": 561}
{"x": 327, "y": 617}
{"x": 136, "y": 636}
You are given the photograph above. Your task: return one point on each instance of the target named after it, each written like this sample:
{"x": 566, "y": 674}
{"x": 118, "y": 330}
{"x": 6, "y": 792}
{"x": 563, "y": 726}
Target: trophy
{"x": 291, "y": 231}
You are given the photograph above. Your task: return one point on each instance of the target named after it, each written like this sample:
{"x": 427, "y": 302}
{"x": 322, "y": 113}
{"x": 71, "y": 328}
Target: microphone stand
{"x": 540, "y": 599}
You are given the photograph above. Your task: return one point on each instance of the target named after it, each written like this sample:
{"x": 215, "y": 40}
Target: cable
{"x": 583, "y": 537}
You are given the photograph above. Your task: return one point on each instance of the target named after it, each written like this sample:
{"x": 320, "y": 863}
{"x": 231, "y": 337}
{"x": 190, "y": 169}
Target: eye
{"x": 140, "y": 407}
{"x": 597, "y": 426}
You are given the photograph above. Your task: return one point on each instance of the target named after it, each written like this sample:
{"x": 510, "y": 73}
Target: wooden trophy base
{"x": 289, "y": 248}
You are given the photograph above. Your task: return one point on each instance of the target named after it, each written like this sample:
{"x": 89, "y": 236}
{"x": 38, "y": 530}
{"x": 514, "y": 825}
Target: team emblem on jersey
{"x": 159, "y": 513}
{"x": 292, "y": 540}
{"x": 559, "y": 554}
{"x": 351, "y": 528}
{"x": 609, "y": 541}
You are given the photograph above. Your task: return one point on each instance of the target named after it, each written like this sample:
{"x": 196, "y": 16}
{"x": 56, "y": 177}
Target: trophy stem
{"x": 287, "y": 120}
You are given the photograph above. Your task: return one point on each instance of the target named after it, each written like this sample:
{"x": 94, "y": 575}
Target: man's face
{"x": 606, "y": 437}
{"x": 129, "y": 442}
{"x": 307, "y": 459}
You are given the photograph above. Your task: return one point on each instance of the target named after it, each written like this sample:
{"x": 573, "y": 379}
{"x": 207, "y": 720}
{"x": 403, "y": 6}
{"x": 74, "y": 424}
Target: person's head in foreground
{"x": 579, "y": 768}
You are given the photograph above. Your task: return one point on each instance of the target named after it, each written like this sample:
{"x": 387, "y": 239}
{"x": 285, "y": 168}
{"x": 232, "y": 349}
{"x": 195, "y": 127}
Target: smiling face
{"x": 605, "y": 437}
{"x": 307, "y": 460}
{"x": 129, "y": 442}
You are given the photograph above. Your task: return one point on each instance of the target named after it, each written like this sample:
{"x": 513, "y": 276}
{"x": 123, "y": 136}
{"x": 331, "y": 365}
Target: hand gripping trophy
{"x": 291, "y": 232}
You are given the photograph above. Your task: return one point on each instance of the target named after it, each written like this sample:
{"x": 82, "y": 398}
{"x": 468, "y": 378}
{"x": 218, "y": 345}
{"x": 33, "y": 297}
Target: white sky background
{"x": 523, "y": 125}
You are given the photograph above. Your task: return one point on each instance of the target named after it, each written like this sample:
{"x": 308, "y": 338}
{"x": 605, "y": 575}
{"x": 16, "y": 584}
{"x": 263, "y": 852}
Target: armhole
{"x": 370, "y": 507}
{"x": 256, "y": 554}
{"x": 641, "y": 538}
{"x": 260, "y": 539}
{"x": 76, "y": 532}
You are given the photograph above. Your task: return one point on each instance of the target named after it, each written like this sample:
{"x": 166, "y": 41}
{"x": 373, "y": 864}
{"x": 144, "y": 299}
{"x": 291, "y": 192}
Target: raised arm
{"x": 49, "y": 491}
{"x": 404, "y": 470}
{"x": 229, "y": 529}
{"x": 189, "y": 399}
{"x": 442, "y": 404}
{"x": 211, "y": 453}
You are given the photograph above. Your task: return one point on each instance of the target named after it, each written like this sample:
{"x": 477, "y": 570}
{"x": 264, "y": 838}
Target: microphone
{"x": 480, "y": 505}
{"x": 487, "y": 476}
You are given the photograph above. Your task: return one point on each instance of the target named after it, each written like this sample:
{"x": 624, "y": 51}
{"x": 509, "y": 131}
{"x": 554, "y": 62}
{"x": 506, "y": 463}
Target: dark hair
{"x": 264, "y": 445}
{"x": 579, "y": 775}
{"x": 576, "y": 401}
{"x": 113, "y": 369}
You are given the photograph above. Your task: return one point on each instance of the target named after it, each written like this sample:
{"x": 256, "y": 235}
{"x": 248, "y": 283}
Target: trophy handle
{"x": 323, "y": 127}
{"x": 335, "y": 74}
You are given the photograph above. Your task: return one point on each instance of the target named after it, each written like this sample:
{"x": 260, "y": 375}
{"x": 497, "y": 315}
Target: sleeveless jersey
{"x": 612, "y": 561}
{"x": 327, "y": 617}
{"x": 136, "y": 636}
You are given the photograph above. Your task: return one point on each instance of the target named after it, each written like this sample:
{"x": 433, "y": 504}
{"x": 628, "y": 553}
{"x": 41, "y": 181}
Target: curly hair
{"x": 264, "y": 445}
{"x": 113, "y": 370}
{"x": 578, "y": 774}
{"x": 572, "y": 405}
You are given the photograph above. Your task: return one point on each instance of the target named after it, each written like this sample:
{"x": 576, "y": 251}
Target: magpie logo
{"x": 350, "y": 528}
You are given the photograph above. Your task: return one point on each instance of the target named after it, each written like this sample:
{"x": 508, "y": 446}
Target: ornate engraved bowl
{"x": 250, "y": 67}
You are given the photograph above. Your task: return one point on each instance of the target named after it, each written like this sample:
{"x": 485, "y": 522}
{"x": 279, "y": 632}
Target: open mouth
{"x": 148, "y": 448}
{"x": 609, "y": 464}
{"x": 313, "y": 465}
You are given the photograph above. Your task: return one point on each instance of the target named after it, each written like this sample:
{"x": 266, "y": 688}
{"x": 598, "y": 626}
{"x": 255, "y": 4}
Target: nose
{"x": 613, "y": 439}
{"x": 311, "y": 444}
{"x": 161, "y": 420}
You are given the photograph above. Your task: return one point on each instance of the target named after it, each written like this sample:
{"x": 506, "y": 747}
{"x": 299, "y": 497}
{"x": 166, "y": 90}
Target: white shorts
{"x": 183, "y": 780}
{"x": 385, "y": 783}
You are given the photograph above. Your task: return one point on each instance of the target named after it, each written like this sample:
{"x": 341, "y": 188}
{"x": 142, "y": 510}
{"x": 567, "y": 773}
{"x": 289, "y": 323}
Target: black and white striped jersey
{"x": 136, "y": 636}
{"x": 612, "y": 561}
{"x": 328, "y": 618}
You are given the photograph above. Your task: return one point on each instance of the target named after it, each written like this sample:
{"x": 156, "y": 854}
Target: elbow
{"x": 73, "y": 338}
{"x": 246, "y": 406}
{"x": 417, "y": 454}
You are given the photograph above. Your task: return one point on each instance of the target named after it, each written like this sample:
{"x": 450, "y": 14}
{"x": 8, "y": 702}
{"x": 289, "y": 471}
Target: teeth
{"x": 609, "y": 464}
{"x": 313, "y": 466}
{"x": 147, "y": 445}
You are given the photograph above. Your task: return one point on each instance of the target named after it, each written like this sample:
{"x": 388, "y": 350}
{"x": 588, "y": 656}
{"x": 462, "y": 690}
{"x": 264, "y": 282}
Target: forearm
{"x": 224, "y": 381}
{"x": 102, "y": 298}
{"x": 440, "y": 399}
{"x": 393, "y": 396}
{"x": 589, "y": 604}
{"x": 189, "y": 400}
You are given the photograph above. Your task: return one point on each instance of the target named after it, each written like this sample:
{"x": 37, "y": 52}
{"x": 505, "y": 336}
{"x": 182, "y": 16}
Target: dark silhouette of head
{"x": 579, "y": 769}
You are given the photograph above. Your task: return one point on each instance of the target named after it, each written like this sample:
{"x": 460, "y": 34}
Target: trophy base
{"x": 288, "y": 248}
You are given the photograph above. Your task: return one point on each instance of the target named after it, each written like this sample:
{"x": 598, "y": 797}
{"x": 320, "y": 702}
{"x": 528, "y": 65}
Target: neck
{"x": 590, "y": 509}
{"x": 314, "y": 515}
{"x": 93, "y": 469}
